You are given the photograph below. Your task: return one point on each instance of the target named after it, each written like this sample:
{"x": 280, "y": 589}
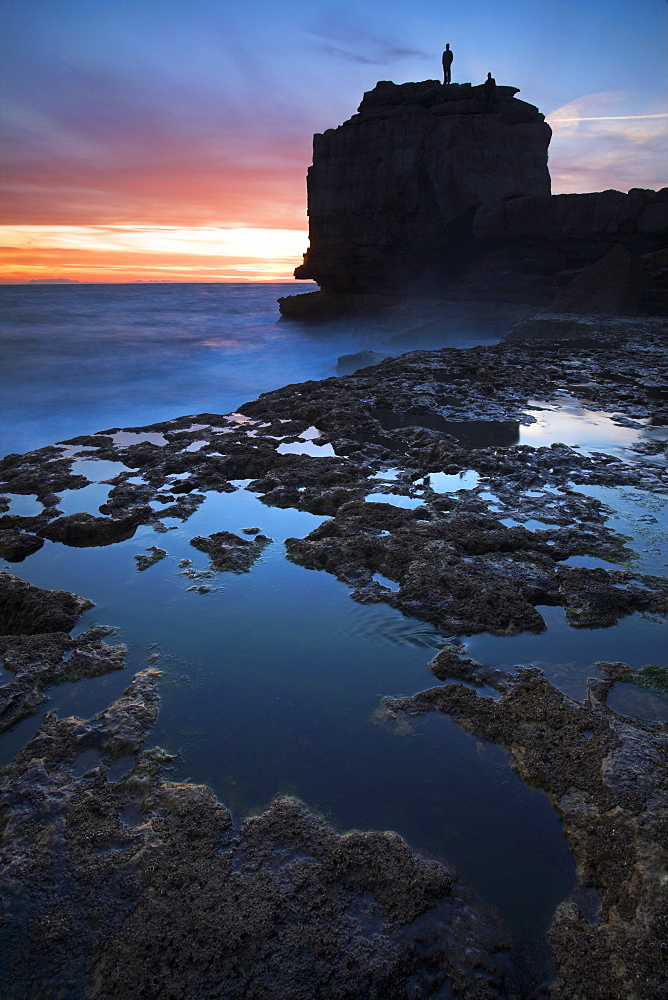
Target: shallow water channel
{"x": 273, "y": 683}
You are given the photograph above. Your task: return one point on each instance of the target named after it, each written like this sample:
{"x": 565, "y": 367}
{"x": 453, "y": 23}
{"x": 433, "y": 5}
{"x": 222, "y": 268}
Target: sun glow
{"x": 143, "y": 252}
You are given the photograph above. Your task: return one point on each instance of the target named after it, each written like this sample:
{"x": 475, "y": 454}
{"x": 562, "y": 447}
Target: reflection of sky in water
{"x": 395, "y": 499}
{"x": 87, "y": 500}
{"x": 23, "y": 506}
{"x": 572, "y": 424}
{"x": 124, "y": 438}
{"x": 628, "y": 699}
{"x": 270, "y": 683}
{"x": 567, "y": 655}
{"x": 387, "y": 475}
{"x": 531, "y": 523}
{"x": 97, "y": 469}
{"x": 307, "y": 448}
{"x": 441, "y": 482}
{"x": 642, "y": 517}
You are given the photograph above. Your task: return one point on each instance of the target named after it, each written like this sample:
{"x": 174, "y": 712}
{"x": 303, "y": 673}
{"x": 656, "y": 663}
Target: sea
{"x": 273, "y": 681}
{"x": 82, "y": 357}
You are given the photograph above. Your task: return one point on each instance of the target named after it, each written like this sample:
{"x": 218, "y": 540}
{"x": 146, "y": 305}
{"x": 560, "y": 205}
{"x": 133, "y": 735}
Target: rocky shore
{"x": 121, "y": 883}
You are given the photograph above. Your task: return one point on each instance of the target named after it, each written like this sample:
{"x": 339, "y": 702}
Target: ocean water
{"x": 273, "y": 681}
{"x": 82, "y": 358}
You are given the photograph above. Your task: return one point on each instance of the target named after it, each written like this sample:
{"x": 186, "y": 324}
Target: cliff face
{"x": 430, "y": 191}
{"x": 392, "y": 191}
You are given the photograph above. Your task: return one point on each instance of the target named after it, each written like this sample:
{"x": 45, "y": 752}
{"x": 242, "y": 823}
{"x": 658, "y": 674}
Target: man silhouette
{"x": 447, "y": 63}
{"x": 490, "y": 88}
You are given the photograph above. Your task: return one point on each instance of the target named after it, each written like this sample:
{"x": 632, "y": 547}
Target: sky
{"x": 169, "y": 139}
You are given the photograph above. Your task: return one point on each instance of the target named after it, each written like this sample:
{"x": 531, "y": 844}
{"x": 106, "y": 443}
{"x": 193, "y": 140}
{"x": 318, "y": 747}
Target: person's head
{"x": 447, "y": 45}
{"x": 489, "y": 76}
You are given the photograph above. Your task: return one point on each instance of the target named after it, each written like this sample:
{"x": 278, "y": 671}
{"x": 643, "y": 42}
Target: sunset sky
{"x": 165, "y": 140}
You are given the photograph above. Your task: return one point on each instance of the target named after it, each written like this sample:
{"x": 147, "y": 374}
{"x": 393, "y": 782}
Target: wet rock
{"x": 16, "y": 545}
{"x": 451, "y": 664}
{"x": 229, "y": 552}
{"x": 36, "y": 646}
{"x": 28, "y": 610}
{"x": 608, "y": 778}
{"x": 40, "y": 661}
{"x": 80, "y": 530}
{"x": 650, "y": 678}
{"x": 597, "y": 598}
{"x": 162, "y": 895}
{"x": 124, "y": 498}
{"x": 155, "y": 554}
{"x": 465, "y": 571}
{"x": 41, "y": 472}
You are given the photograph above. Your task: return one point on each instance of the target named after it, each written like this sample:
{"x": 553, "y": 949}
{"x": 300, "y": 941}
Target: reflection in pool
{"x": 471, "y": 433}
{"x": 571, "y": 423}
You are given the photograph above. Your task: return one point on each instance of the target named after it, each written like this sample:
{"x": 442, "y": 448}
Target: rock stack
{"x": 429, "y": 192}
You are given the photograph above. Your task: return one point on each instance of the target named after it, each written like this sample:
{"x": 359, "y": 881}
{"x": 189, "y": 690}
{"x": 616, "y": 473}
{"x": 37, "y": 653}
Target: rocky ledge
{"x": 117, "y": 876}
{"x": 37, "y": 648}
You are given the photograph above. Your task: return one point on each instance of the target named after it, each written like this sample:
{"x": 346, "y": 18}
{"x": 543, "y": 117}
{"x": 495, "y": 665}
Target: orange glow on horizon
{"x": 148, "y": 253}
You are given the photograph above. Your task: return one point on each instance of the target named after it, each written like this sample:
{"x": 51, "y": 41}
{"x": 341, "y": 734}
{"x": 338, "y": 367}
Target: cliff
{"x": 427, "y": 191}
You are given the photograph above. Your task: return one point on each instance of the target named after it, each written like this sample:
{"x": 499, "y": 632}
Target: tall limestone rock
{"x": 428, "y": 192}
{"x": 392, "y": 192}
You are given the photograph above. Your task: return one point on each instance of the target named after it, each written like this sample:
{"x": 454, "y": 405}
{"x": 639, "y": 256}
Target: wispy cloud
{"x": 344, "y": 36}
{"x": 608, "y": 140}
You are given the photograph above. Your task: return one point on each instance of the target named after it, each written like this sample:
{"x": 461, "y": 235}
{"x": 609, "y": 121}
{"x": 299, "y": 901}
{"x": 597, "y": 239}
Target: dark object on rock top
{"x": 489, "y": 86}
{"x": 447, "y": 63}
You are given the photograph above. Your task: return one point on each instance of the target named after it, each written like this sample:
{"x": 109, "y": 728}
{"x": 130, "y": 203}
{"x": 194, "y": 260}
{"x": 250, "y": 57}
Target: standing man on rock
{"x": 447, "y": 63}
{"x": 490, "y": 89}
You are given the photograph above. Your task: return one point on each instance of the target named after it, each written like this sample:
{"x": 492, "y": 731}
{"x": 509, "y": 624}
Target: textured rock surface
{"x": 608, "y": 778}
{"x": 28, "y": 610}
{"x": 388, "y": 189}
{"x": 465, "y": 572}
{"x": 36, "y": 646}
{"x": 124, "y": 885}
{"x": 16, "y": 545}
{"x": 229, "y": 552}
{"x": 640, "y": 213}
